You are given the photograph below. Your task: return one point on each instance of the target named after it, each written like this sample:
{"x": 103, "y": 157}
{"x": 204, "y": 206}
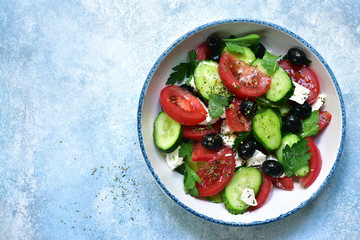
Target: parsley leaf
{"x": 245, "y": 41}
{"x": 190, "y": 179}
{"x": 216, "y": 103}
{"x": 295, "y": 157}
{"x": 310, "y": 125}
{"x": 193, "y": 62}
{"x": 183, "y": 70}
{"x": 238, "y": 44}
{"x": 185, "y": 150}
{"x": 178, "y": 74}
{"x": 270, "y": 63}
{"x": 234, "y": 48}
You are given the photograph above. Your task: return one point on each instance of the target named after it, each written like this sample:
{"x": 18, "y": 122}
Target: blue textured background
{"x": 70, "y": 78}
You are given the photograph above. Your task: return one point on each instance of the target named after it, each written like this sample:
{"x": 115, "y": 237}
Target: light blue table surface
{"x": 70, "y": 77}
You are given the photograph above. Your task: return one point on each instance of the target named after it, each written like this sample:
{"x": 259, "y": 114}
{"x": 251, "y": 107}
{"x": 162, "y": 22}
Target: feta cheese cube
{"x": 300, "y": 94}
{"x": 318, "y": 103}
{"x": 225, "y": 128}
{"x": 228, "y": 140}
{"x": 271, "y": 157}
{"x": 238, "y": 160}
{"x": 248, "y": 196}
{"x": 257, "y": 159}
{"x": 173, "y": 160}
{"x": 192, "y": 83}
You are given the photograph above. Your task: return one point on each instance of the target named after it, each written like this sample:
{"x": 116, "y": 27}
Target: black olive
{"x": 246, "y": 150}
{"x": 272, "y": 168}
{"x": 212, "y": 141}
{"x": 214, "y": 43}
{"x": 189, "y": 88}
{"x": 257, "y": 145}
{"x": 299, "y": 110}
{"x": 216, "y": 57}
{"x": 292, "y": 123}
{"x": 248, "y": 108}
{"x": 260, "y": 51}
{"x": 296, "y": 56}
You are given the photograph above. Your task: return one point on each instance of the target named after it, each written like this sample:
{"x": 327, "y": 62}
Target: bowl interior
{"x": 280, "y": 203}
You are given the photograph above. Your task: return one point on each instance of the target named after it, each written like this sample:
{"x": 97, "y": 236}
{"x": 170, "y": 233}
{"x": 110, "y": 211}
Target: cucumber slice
{"x": 217, "y": 198}
{"x": 281, "y": 87}
{"x": 207, "y": 80}
{"x": 248, "y": 56}
{"x": 266, "y": 127}
{"x": 303, "y": 171}
{"x": 244, "y": 177}
{"x": 291, "y": 139}
{"x": 167, "y": 133}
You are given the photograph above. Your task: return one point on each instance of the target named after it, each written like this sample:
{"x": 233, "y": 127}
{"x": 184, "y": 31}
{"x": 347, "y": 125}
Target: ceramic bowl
{"x": 280, "y": 203}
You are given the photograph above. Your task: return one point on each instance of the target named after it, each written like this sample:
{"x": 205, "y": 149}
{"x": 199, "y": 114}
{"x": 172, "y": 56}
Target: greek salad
{"x": 237, "y": 120}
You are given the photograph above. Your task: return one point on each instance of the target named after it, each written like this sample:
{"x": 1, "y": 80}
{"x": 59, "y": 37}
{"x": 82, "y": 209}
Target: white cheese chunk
{"x": 271, "y": 157}
{"x": 318, "y": 103}
{"x": 257, "y": 159}
{"x": 228, "y": 140}
{"x": 248, "y": 196}
{"x": 173, "y": 160}
{"x": 225, "y": 128}
{"x": 238, "y": 160}
{"x": 300, "y": 94}
{"x": 192, "y": 83}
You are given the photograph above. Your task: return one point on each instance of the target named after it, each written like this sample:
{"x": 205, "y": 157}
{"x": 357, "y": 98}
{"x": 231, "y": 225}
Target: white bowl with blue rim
{"x": 280, "y": 203}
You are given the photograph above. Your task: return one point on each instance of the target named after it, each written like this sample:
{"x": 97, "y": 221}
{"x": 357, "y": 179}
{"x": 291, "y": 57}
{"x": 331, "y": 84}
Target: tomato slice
{"x": 182, "y": 106}
{"x": 263, "y": 193}
{"x": 202, "y": 154}
{"x": 304, "y": 76}
{"x": 315, "y": 163}
{"x": 216, "y": 173}
{"x": 241, "y": 79}
{"x": 285, "y": 183}
{"x": 203, "y": 52}
{"x": 325, "y": 118}
{"x": 237, "y": 121}
{"x": 197, "y": 132}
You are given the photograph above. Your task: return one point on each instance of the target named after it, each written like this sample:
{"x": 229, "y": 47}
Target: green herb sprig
{"x": 270, "y": 63}
{"x": 238, "y": 44}
{"x": 295, "y": 157}
{"x": 190, "y": 179}
{"x": 183, "y": 70}
{"x": 216, "y": 105}
{"x": 310, "y": 125}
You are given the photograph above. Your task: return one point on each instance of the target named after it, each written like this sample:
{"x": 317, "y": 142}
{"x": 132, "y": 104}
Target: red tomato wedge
{"x": 216, "y": 173}
{"x": 197, "y": 132}
{"x": 325, "y": 118}
{"x": 203, "y": 52}
{"x": 202, "y": 154}
{"x": 263, "y": 193}
{"x": 237, "y": 121}
{"x": 285, "y": 183}
{"x": 304, "y": 76}
{"x": 315, "y": 163}
{"x": 241, "y": 79}
{"x": 182, "y": 106}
